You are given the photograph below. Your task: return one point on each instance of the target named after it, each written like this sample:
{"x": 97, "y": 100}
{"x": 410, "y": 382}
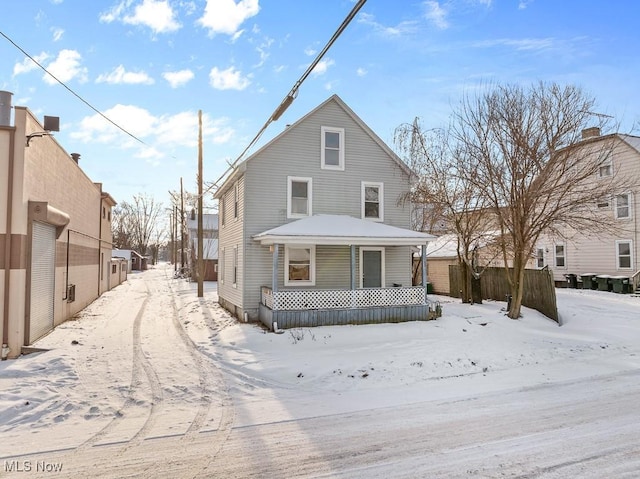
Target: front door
{"x": 372, "y": 263}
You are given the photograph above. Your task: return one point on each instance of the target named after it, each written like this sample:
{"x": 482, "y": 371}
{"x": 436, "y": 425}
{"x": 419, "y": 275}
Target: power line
{"x": 73, "y": 92}
{"x": 293, "y": 93}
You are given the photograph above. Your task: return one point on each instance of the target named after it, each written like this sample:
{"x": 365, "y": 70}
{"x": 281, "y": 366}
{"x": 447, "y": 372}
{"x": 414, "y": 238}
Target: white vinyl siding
{"x": 372, "y": 201}
{"x": 332, "y": 148}
{"x": 299, "y": 197}
{"x": 623, "y": 254}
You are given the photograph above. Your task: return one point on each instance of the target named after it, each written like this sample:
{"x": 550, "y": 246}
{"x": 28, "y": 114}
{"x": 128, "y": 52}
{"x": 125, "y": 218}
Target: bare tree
{"x": 134, "y": 223}
{"x": 521, "y": 148}
{"x": 448, "y": 201}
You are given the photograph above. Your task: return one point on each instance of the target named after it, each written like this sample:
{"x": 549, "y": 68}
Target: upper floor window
{"x": 372, "y": 201}
{"x": 332, "y": 145}
{"x": 221, "y": 210}
{"x": 623, "y": 206}
{"x": 299, "y": 195}
{"x": 605, "y": 170}
{"x": 623, "y": 254}
{"x": 236, "y": 200}
{"x": 560, "y": 256}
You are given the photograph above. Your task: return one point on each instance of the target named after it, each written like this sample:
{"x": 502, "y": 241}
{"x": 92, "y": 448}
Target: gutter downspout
{"x": 7, "y": 250}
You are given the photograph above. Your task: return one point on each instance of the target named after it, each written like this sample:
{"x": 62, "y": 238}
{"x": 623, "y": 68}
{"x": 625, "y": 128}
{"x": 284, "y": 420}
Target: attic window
{"x": 332, "y": 146}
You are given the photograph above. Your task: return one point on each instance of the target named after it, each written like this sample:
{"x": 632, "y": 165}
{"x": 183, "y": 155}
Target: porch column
{"x": 353, "y": 267}
{"x": 424, "y": 270}
{"x": 274, "y": 269}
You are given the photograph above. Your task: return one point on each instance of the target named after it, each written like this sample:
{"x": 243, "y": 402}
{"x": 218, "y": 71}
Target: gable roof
{"x": 338, "y": 101}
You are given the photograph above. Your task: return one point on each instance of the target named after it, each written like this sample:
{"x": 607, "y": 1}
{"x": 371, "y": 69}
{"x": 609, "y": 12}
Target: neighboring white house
{"x": 603, "y": 253}
{"x": 135, "y": 261}
{"x": 209, "y": 245}
{"x": 314, "y": 230}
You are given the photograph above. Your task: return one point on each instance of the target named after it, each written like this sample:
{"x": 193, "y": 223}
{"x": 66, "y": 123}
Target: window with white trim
{"x": 235, "y": 266}
{"x": 300, "y": 265}
{"x": 623, "y": 206}
{"x": 540, "y": 258}
{"x": 236, "y": 200}
{"x": 221, "y": 210}
{"x": 560, "y": 255}
{"x": 221, "y": 262}
{"x": 623, "y": 254}
{"x": 372, "y": 197}
{"x": 299, "y": 196}
{"x": 332, "y": 148}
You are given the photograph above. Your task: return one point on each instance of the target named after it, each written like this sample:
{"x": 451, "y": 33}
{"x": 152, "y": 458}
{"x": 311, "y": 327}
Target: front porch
{"x": 323, "y": 307}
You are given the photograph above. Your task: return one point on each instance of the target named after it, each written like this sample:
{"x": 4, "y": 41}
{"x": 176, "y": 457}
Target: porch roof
{"x": 341, "y": 230}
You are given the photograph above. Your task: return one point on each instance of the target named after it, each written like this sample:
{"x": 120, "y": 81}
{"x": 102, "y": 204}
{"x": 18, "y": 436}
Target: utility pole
{"x": 181, "y": 226}
{"x": 175, "y": 238}
{"x": 200, "y": 229}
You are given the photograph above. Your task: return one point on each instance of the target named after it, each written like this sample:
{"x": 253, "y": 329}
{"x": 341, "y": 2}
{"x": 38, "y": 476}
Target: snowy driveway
{"x": 151, "y": 381}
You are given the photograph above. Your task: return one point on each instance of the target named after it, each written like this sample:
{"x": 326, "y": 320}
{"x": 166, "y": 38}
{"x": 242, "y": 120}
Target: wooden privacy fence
{"x": 539, "y": 288}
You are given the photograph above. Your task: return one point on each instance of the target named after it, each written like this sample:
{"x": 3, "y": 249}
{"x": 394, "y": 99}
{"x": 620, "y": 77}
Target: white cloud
{"x": 529, "y": 44}
{"x": 229, "y": 79}
{"x": 178, "y": 78}
{"x": 361, "y": 72}
{"x": 322, "y": 67}
{"x": 158, "y": 15}
{"x": 263, "y": 51}
{"x": 436, "y": 14}
{"x": 66, "y": 67}
{"x": 57, "y": 33}
{"x": 226, "y": 16}
{"x": 27, "y": 65}
{"x": 309, "y": 51}
{"x": 137, "y": 121}
{"x": 120, "y": 76}
{"x": 524, "y": 4}
{"x": 401, "y": 29}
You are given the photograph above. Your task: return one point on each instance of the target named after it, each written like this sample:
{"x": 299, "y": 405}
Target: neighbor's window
{"x": 605, "y": 170}
{"x": 623, "y": 253}
{"x": 298, "y": 197}
{"x": 540, "y": 258}
{"x": 372, "y": 201}
{"x": 560, "y": 256}
{"x": 299, "y": 265}
{"x": 332, "y": 145}
{"x": 623, "y": 206}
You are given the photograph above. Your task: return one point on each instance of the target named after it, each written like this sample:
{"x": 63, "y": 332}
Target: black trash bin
{"x": 572, "y": 280}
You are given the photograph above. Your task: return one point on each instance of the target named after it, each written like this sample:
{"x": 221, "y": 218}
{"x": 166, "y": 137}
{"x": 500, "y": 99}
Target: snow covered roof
{"x": 209, "y": 222}
{"x": 209, "y": 248}
{"x": 341, "y": 230}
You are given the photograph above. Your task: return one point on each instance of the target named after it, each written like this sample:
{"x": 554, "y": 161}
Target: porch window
{"x": 299, "y": 194}
{"x": 332, "y": 148}
{"x": 372, "y": 201}
{"x": 560, "y": 256}
{"x": 540, "y": 258}
{"x": 299, "y": 264}
{"x": 623, "y": 254}
{"x": 623, "y": 206}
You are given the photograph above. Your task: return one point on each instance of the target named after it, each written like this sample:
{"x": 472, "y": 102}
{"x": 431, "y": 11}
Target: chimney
{"x": 75, "y": 157}
{"x": 592, "y": 132}
{"x": 5, "y": 108}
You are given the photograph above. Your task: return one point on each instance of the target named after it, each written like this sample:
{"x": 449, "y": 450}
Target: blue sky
{"x": 150, "y": 65}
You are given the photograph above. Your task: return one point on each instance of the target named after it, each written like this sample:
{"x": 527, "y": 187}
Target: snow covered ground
{"x": 151, "y": 361}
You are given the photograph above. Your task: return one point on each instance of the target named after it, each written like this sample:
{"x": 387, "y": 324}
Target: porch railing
{"x": 635, "y": 281}
{"x": 341, "y": 298}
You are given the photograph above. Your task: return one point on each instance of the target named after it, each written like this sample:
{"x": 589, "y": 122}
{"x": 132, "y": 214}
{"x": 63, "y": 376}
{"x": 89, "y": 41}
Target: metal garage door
{"x": 43, "y": 266}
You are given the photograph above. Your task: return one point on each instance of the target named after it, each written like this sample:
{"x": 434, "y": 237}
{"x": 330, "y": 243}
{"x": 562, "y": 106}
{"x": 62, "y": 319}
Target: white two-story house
{"x": 612, "y": 251}
{"x": 313, "y": 229}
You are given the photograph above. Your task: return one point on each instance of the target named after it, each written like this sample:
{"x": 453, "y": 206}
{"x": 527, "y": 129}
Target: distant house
{"x": 314, "y": 230}
{"x": 209, "y": 245}
{"x": 55, "y": 232}
{"x": 135, "y": 261}
{"x": 611, "y": 253}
